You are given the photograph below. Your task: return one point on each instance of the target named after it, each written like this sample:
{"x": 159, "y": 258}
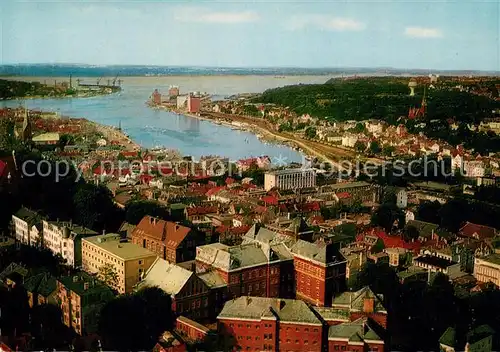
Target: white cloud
{"x": 422, "y": 32}
{"x": 203, "y": 15}
{"x": 325, "y": 22}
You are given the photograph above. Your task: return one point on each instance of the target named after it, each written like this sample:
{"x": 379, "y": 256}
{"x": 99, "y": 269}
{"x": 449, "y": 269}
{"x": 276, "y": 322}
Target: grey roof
{"x": 212, "y": 279}
{"x": 169, "y": 277}
{"x": 13, "y": 268}
{"x": 313, "y": 251}
{"x": 335, "y": 187}
{"x": 286, "y": 310}
{"x": 358, "y": 330}
{"x": 355, "y": 300}
{"x": 425, "y": 229}
{"x": 337, "y": 314}
{"x": 227, "y": 258}
{"x": 30, "y": 216}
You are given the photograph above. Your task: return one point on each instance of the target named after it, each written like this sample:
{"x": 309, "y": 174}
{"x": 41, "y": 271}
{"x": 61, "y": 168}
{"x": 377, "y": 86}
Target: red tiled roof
{"x": 201, "y": 210}
{"x": 343, "y": 195}
{"x": 170, "y": 233}
{"x": 270, "y": 200}
{"x": 215, "y": 190}
{"x": 395, "y": 241}
{"x": 308, "y": 207}
{"x": 477, "y": 231}
{"x": 230, "y": 181}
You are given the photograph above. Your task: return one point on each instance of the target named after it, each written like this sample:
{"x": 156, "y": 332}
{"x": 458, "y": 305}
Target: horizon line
{"x": 250, "y": 67}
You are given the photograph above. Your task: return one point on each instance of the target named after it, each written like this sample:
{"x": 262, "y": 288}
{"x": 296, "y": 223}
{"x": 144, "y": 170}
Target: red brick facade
{"x": 170, "y": 241}
{"x": 192, "y": 300}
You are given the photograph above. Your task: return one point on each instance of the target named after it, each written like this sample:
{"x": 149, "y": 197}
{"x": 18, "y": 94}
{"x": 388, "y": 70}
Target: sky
{"x": 433, "y": 34}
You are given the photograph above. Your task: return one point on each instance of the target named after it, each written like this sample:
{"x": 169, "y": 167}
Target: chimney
{"x": 368, "y": 305}
{"x": 85, "y": 286}
{"x": 103, "y": 232}
{"x": 248, "y": 300}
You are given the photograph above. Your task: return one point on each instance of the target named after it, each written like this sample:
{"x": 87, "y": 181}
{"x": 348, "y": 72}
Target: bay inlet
{"x": 189, "y": 135}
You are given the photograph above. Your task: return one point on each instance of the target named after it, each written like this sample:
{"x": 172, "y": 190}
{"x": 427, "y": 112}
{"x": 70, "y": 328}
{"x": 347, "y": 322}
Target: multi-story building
{"x": 156, "y": 97}
{"x": 270, "y": 324}
{"x": 191, "y": 330}
{"x": 356, "y": 336}
{"x": 27, "y": 226}
{"x": 290, "y": 179}
{"x": 261, "y": 266}
{"x": 193, "y": 104}
{"x": 478, "y": 339}
{"x": 173, "y": 91}
{"x": 169, "y": 240}
{"x": 363, "y": 303}
{"x": 128, "y": 261}
{"x": 81, "y": 297}
{"x": 65, "y": 239}
{"x": 487, "y": 269}
{"x": 190, "y": 294}
{"x": 320, "y": 271}
{"x": 41, "y": 289}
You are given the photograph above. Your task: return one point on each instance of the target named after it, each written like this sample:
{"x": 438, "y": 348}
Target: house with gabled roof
{"x": 362, "y": 303}
{"x": 188, "y": 292}
{"x": 41, "y": 289}
{"x": 27, "y": 226}
{"x": 169, "y": 240}
{"x": 358, "y": 335}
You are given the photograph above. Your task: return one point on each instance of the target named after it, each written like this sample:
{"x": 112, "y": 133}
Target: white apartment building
{"x": 65, "y": 239}
{"x": 487, "y": 269}
{"x": 349, "y": 140}
{"x": 27, "y": 226}
{"x": 290, "y": 179}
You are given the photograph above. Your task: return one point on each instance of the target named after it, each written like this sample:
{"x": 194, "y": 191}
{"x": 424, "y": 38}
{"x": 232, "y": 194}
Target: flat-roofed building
{"x": 487, "y": 269}
{"x": 128, "y": 260}
{"x": 290, "y": 179}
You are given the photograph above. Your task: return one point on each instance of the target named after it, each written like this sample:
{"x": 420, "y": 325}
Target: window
{"x": 297, "y": 342}
{"x": 342, "y": 348}
{"x": 336, "y": 347}
{"x": 306, "y": 342}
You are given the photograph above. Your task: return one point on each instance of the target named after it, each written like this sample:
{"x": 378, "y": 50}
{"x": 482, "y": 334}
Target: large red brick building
{"x": 320, "y": 271}
{"x": 270, "y": 324}
{"x": 169, "y": 240}
{"x": 261, "y": 266}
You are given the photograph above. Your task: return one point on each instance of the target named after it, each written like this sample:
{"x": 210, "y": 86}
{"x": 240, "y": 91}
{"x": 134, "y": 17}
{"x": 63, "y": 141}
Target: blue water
{"x": 152, "y": 128}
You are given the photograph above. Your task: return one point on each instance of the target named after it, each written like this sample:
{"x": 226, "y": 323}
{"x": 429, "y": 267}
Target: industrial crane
{"x": 99, "y": 80}
{"x": 114, "y": 81}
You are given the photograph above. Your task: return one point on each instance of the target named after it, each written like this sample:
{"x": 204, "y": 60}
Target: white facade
{"x": 25, "y": 229}
{"x": 401, "y": 198}
{"x": 64, "y": 239}
{"x": 487, "y": 269}
{"x": 290, "y": 179}
{"x": 349, "y": 140}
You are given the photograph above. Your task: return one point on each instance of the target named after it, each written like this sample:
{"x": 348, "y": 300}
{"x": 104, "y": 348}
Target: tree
{"x": 134, "y": 322}
{"x": 387, "y": 150}
{"x": 388, "y": 215}
{"x": 429, "y": 211}
{"x": 310, "y": 132}
{"x": 453, "y": 213}
{"x": 136, "y": 210}
{"x": 94, "y": 207}
{"x": 410, "y": 233}
{"x": 108, "y": 275}
{"x": 359, "y": 146}
{"x": 375, "y": 147}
